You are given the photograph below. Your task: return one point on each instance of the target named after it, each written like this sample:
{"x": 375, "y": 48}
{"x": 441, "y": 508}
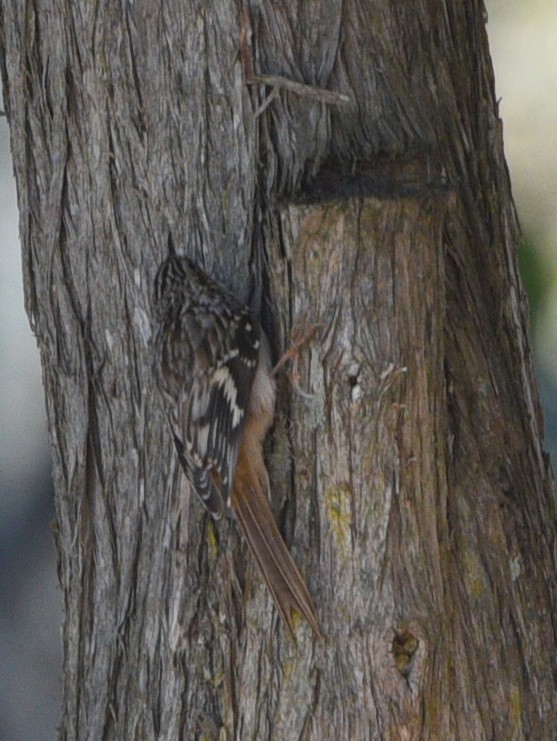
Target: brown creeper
{"x": 213, "y": 369}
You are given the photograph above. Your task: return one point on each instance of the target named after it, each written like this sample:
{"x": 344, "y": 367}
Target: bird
{"x": 212, "y": 366}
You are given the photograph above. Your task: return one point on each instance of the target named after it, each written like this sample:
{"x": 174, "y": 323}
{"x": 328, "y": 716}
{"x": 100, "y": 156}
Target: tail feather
{"x": 281, "y": 574}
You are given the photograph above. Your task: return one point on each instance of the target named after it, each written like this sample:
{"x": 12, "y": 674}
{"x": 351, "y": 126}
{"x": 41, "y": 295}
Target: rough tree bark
{"x": 408, "y": 476}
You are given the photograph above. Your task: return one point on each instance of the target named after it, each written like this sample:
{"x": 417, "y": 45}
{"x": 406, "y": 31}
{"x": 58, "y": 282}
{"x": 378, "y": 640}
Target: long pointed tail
{"x": 281, "y": 574}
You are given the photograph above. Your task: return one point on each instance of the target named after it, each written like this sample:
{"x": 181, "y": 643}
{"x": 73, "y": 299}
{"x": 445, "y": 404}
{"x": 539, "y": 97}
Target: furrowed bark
{"x": 406, "y": 461}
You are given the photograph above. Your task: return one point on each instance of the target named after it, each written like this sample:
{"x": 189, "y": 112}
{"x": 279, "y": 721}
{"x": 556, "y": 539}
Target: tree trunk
{"x": 351, "y": 155}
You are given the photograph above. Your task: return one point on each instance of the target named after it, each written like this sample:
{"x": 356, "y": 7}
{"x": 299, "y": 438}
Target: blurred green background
{"x": 523, "y": 39}
{"x": 523, "y": 42}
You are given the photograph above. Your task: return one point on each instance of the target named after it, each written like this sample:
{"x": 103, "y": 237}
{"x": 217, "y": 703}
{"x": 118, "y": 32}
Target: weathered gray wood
{"x": 407, "y": 466}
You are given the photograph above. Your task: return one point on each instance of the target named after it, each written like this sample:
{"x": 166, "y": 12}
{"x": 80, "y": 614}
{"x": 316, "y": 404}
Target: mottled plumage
{"x": 213, "y": 369}
{"x": 206, "y": 351}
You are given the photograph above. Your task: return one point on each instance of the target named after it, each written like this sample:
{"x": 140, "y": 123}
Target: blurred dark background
{"x": 523, "y": 39}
